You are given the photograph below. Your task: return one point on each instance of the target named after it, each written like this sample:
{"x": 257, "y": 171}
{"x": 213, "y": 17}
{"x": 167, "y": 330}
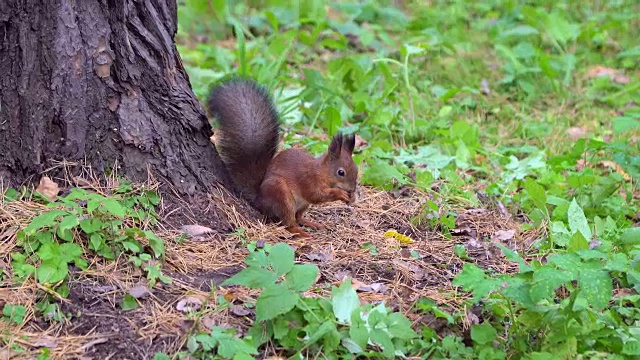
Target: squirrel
{"x": 281, "y": 185}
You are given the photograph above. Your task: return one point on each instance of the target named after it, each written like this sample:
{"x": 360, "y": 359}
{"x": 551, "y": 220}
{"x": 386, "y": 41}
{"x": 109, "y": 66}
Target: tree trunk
{"x": 100, "y": 82}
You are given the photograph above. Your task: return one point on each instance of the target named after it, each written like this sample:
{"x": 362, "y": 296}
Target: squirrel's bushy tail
{"x": 248, "y": 132}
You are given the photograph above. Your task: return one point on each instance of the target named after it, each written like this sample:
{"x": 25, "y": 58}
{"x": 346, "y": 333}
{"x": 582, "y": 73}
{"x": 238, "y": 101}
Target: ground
{"x": 398, "y": 274}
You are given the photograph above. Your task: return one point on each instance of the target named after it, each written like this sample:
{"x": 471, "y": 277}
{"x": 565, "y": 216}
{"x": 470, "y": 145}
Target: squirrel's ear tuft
{"x": 349, "y": 143}
{"x": 336, "y": 146}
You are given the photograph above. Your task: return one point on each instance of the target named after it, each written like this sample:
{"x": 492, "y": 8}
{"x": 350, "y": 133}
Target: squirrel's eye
{"x": 341, "y": 172}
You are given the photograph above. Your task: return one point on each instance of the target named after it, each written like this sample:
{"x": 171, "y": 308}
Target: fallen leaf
{"x": 360, "y": 142}
{"x": 195, "y": 230}
{"x": 484, "y": 87}
{"x": 239, "y": 310}
{"x": 139, "y": 291}
{"x": 374, "y": 288}
{"x": 503, "y": 235}
{"x": 46, "y": 341}
{"x": 319, "y": 257}
{"x": 613, "y": 74}
{"x": 48, "y": 188}
{"x": 81, "y": 181}
{"x": 417, "y": 272}
{"x": 189, "y": 304}
{"x": 94, "y": 342}
{"x": 208, "y": 321}
{"x": 186, "y": 325}
{"x": 104, "y": 288}
{"x": 402, "y": 239}
{"x": 576, "y": 133}
{"x": 616, "y": 167}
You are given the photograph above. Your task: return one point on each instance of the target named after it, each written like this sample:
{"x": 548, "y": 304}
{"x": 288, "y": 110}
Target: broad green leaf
{"x": 359, "y": 335}
{"x": 229, "y": 346}
{"x": 400, "y": 327}
{"x": 596, "y": 287}
{"x": 275, "y": 300}
{"x": 577, "y": 243}
{"x": 301, "y": 277}
{"x": 381, "y": 174}
{"x": 513, "y": 256}
{"x": 70, "y": 252}
{"x": 577, "y": 220}
{"x": 114, "y": 208}
{"x": 49, "y": 251}
{"x": 536, "y": 193}
{"x": 128, "y": 303}
{"x": 156, "y": 243}
{"x": 15, "y": 313}
{"x": 382, "y": 338}
{"x": 631, "y": 347}
{"x": 520, "y": 30}
{"x": 623, "y": 124}
{"x": 325, "y": 328}
{"x": 630, "y": 236}
{"x": 483, "y": 333}
{"x": 47, "y": 219}
{"x": 95, "y": 241}
{"x": 258, "y": 259}
{"x": 472, "y": 278}
{"x": 52, "y": 271}
{"x": 545, "y": 281}
{"x": 68, "y": 222}
{"x": 344, "y": 301}
{"x": 281, "y": 258}
{"x": 351, "y": 345}
{"x": 253, "y": 278}
{"x": 90, "y": 225}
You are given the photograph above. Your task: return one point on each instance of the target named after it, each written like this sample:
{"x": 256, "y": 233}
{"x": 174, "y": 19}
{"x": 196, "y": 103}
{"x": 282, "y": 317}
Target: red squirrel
{"x": 280, "y": 185}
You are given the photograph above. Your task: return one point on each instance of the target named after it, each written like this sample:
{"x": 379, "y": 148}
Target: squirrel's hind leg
{"x": 276, "y": 197}
{"x": 307, "y": 223}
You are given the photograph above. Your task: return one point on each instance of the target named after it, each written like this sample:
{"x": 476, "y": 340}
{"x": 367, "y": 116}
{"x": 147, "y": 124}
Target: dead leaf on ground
{"x": 616, "y": 167}
{"x": 48, "y": 188}
{"x": 139, "y": 291}
{"x": 239, "y": 310}
{"x": 503, "y": 235}
{"x": 81, "y": 181}
{"x": 417, "y": 272}
{"x": 46, "y": 341}
{"x": 576, "y": 133}
{"x": 208, "y": 321}
{"x": 615, "y": 75}
{"x": 189, "y": 304}
{"x": 360, "y": 142}
{"x": 322, "y": 257}
{"x": 94, "y": 342}
{"x": 373, "y": 288}
{"x": 484, "y": 87}
{"x": 195, "y": 230}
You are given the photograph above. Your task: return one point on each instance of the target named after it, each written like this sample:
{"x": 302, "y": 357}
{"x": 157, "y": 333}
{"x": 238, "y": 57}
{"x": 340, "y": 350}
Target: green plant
{"x": 339, "y": 325}
{"x": 82, "y": 223}
{"x": 14, "y": 313}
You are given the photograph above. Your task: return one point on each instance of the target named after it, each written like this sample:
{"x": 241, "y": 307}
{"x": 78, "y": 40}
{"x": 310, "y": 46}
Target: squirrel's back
{"x": 248, "y": 131}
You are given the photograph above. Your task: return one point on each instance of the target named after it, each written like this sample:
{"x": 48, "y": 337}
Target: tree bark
{"x": 100, "y": 82}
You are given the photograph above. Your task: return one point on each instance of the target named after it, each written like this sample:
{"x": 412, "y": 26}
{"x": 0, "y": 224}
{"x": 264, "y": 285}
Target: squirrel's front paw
{"x": 342, "y": 195}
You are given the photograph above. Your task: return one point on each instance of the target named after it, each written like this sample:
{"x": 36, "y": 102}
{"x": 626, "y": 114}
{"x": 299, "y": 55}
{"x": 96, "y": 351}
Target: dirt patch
{"x": 353, "y": 244}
